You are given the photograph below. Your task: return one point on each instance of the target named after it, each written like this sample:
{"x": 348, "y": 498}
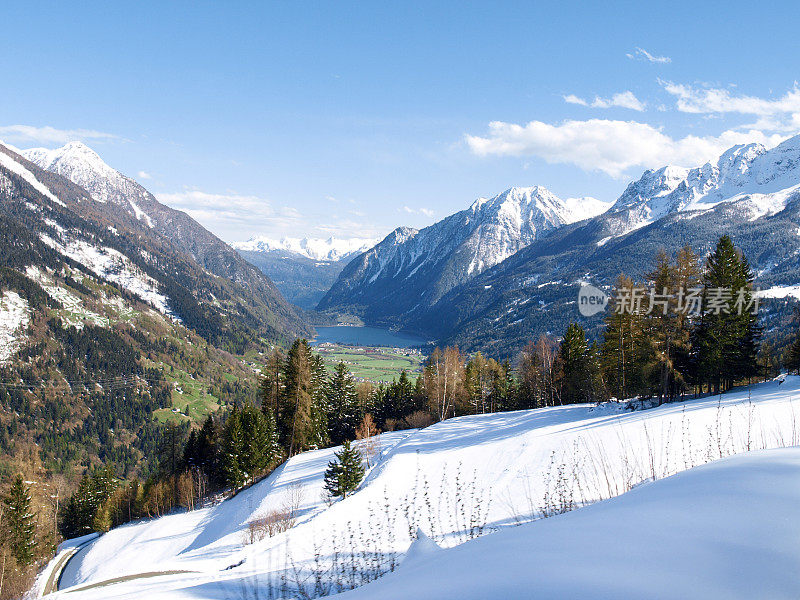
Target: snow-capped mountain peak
{"x": 323, "y": 249}
{"x": 78, "y": 163}
{"x": 760, "y": 179}
{"x": 409, "y": 264}
{"x": 84, "y": 167}
{"x": 525, "y": 201}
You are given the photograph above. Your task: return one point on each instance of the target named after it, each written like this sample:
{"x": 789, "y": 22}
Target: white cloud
{"x": 609, "y": 146}
{"x": 427, "y": 212}
{"x": 716, "y": 100}
{"x": 230, "y": 210}
{"x": 238, "y": 217}
{"x": 144, "y": 175}
{"x": 573, "y": 99}
{"x": 625, "y": 99}
{"x": 50, "y": 135}
{"x": 642, "y": 54}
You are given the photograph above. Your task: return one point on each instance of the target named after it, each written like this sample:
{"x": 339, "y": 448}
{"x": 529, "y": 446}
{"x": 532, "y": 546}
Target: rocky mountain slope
{"x": 123, "y": 200}
{"x": 410, "y": 270}
{"x": 750, "y": 194}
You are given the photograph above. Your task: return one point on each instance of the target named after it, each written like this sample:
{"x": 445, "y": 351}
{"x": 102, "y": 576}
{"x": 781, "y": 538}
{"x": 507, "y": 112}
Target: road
{"x": 52, "y": 582}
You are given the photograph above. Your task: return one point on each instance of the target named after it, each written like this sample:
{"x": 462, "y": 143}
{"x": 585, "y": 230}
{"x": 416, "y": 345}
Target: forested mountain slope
{"x": 105, "y": 323}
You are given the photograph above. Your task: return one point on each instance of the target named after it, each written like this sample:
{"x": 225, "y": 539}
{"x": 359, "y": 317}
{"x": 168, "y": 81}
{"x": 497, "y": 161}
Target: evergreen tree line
{"x": 697, "y": 333}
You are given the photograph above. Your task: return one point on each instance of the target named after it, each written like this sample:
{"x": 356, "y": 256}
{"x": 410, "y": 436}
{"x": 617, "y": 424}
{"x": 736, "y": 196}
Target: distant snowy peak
{"x": 761, "y": 179}
{"x": 323, "y": 249}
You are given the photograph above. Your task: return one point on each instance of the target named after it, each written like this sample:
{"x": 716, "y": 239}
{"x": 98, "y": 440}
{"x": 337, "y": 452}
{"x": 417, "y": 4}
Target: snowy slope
{"x": 15, "y": 167}
{"x": 584, "y": 208}
{"x": 724, "y": 530}
{"x": 112, "y": 265}
{"x": 455, "y": 480}
{"x": 322, "y": 249}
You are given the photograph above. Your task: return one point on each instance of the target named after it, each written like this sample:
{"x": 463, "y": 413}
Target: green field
{"x": 372, "y": 364}
{"x": 190, "y": 400}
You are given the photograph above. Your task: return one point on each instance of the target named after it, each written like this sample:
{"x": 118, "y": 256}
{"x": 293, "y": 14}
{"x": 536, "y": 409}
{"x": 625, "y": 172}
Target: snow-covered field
{"x": 484, "y": 475}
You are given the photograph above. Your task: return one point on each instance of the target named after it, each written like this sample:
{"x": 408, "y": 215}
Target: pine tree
{"x": 272, "y": 383}
{"x": 625, "y": 351}
{"x": 319, "y": 404}
{"x": 687, "y": 278}
{"x": 398, "y": 400}
{"x": 83, "y": 512}
{"x": 725, "y": 340}
{"x": 190, "y": 458}
{"x": 345, "y": 473}
{"x": 295, "y": 423}
{"x": 104, "y": 484}
{"x": 170, "y": 455}
{"x": 233, "y": 443}
{"x": 207, "y": 451}
{"x": 792, "y": 360}
{"x": 580, "y": 368}
{"x": 344, "y": 414}
{"x": 259, "y": 447}
{"x": 19, "y": 523}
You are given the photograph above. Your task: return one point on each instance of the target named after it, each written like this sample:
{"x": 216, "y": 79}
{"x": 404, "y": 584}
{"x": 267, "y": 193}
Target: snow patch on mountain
{"x": 14, "y": 317}
{"x": 16, "y": 168}
{"x": 113, "y": 266}
{"x": 782, "y": 291}
{"x": 140, "y": 214}
{"x": 75, "y": 314}
{"x": 323, "y": 249}
{"x": 587, "y": 207}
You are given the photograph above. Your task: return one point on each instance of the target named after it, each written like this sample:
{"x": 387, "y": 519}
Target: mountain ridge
{"x": 750, "y": 192}
{"x": 411, "y": 267}
{"x": 121, "y": 199}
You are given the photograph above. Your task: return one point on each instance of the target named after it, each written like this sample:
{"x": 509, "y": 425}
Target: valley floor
{"x": 727, "y": 529}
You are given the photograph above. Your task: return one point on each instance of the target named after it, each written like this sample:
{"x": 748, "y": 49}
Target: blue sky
{"x": 350, "y": 119}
